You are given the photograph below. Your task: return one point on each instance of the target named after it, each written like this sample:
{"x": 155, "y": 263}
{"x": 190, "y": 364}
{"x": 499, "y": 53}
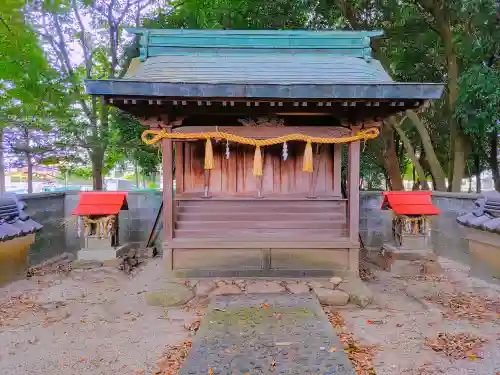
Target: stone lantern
{"x": 98, "y": 221}
{"x": 409, "y": 252}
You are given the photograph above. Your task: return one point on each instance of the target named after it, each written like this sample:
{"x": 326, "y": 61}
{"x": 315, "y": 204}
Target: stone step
{"x": 266, "y": 334}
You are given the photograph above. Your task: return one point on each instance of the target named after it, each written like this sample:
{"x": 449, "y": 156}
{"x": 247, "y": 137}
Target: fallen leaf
{"x": 81, "y": 359}
{"x": 458, "y": 346}
{"x": 273, "y": 364}
{"x": 193, "y": 326}
{"x": 336, "y": 320}
{"x": 210, "y": 371}
{"x": 360, "y": 356}
{"x": 139, "y": 372}
{"x": 332, "y": 349}
{"x": 174, "y": 357}
{"x": 468, "y": 306}
{"x": 265, "y": 305}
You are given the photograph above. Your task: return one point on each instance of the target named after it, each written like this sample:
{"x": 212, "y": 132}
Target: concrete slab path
{"x": 266, "y": 335}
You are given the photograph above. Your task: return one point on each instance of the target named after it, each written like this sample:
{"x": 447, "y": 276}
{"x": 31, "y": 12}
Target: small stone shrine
{"x": 482, "y": 228}
{"x": 17, "y": 234}
{"x": 98, "y": 222}
{"x": 409, "y": 252}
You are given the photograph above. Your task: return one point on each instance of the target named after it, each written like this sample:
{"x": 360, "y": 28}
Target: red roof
{"x": 409, "y": 203}
{"x": 101, "y": 203}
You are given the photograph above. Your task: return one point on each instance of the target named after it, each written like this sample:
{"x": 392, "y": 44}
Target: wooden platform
{"x": 260, "y": 237}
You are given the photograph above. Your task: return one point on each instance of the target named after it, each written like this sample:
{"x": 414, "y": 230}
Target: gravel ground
{"x": 401, "y": 320}
{"x": 97, "y": 322}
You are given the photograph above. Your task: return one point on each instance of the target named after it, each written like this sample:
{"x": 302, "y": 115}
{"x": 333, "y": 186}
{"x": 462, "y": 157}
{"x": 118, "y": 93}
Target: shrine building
{"x": 252, "y": 127}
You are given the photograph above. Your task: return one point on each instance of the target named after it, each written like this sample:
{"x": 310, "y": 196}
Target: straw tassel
{"x": 308, "y": 158}
{"x": 209, "y": 155}
{"x": 257, "y": 162}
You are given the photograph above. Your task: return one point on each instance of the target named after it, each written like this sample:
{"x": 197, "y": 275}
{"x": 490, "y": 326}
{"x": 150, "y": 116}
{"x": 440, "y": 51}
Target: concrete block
{"x": 102, "y": 254}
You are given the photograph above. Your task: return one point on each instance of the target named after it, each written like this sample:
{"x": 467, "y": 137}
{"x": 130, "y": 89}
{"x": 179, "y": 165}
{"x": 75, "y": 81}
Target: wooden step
{"x": 259, "y": 208}
{"x": 218, "y": 225}
{"x": 258, "y": 234}
{"x": 258, "y": 216}
{"x": 260, "y": 203}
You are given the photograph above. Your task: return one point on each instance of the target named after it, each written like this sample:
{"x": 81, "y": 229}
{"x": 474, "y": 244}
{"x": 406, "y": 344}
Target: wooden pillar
{"x": 168, "y": 197}
{"x": 337, "y": 170}
{"x": 353, "y": 190}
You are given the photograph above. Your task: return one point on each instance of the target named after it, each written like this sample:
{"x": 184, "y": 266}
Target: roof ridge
{"x": 154, "y": 42}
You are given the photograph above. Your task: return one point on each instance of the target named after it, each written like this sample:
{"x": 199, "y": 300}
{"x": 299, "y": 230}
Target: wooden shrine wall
{"x": 233, "y": 176}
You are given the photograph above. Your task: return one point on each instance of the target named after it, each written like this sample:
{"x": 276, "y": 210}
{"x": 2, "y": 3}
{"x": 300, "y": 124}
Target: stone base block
{"x": 103, "y": 254}
{"x": 405, "y": 262}
{"x": 260, "y": 262}
{"x": 484, "y": 254}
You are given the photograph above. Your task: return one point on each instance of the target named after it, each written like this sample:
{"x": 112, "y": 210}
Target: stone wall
{"x": 54, "y": 209}
{"x": 47, "y": 209}
{"x": 447, "y": 237}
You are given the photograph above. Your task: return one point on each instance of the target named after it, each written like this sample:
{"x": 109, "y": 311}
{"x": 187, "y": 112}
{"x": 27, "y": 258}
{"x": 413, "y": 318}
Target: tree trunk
{"x": 136, "y": 174}
{"x": 434, "y": 164}
{"x": 411, "y": 153}
{"x": 29, "y": 162}
{"x": 493, "y": 159}
{"x": 436, "y": 170}
{"x": 458, "y": 147}
{"x": 459, "y": 162}
{"x": 477, "y": 164}
{"x": 391, "y": 158}
{"x": 2, "y": 164}
{"x": 97, "y": 169}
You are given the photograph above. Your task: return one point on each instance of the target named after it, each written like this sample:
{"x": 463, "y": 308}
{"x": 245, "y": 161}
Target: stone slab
{"x": 103, "y": 254}
{"x": 171, "y": 294}
{"x": 265, "y": 287}
{"x": 266, "y": 335}
{"x": 332, "y": 297}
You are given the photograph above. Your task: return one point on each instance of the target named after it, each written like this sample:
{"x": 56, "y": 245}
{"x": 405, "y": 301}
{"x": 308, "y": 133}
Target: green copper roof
{"x": 225, "y": 67}
{"x": 158, "y": 42}
{"x": 258, "y": 63}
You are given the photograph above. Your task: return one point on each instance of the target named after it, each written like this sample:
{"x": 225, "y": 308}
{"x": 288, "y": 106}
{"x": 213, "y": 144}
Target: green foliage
{"x": 21, "y": 58}
{"x": 128, "y": 142}
{"x": 82, "y": 172}
{"x": 46, "y": 88}
{"x": 234, "y": 14}
{"x": 478, "y": 108}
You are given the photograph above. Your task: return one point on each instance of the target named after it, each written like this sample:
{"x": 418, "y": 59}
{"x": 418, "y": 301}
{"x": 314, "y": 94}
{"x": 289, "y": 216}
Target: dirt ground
{"x": 94, "y": 322}
{"x": 97, "y": 322}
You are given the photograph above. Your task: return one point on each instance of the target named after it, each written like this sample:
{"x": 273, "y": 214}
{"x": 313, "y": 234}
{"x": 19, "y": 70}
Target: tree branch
{"x": 87, "y": 54}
